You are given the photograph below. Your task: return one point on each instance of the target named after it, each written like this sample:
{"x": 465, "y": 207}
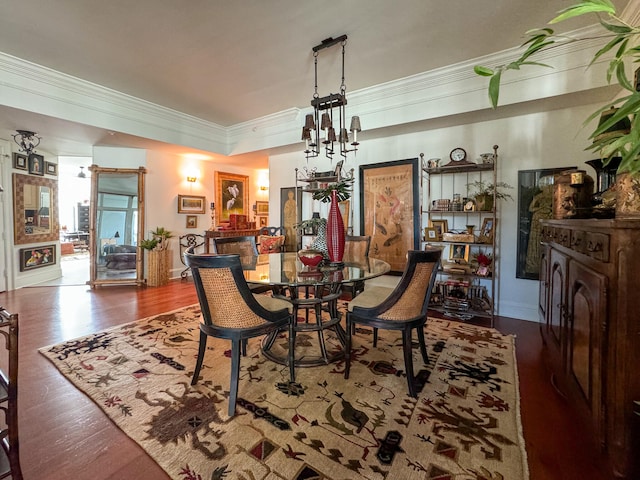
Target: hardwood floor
{"x": 64, "y": 435}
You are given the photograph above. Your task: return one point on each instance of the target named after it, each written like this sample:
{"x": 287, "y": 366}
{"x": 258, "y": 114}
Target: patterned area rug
{"x": 464, "y": 425}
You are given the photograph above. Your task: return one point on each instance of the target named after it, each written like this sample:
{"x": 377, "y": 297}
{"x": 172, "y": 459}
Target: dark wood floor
{"x": 64, "y": 435}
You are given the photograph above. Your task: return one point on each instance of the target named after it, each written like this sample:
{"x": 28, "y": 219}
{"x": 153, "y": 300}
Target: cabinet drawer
{"x": 597, "y": 246}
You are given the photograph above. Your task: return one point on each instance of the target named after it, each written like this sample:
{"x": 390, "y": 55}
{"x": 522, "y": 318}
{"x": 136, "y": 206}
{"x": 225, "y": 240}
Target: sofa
{"x": 120, "y": 257}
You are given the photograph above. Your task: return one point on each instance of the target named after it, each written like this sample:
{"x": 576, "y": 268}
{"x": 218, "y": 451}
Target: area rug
{"x": 465, "y": 424}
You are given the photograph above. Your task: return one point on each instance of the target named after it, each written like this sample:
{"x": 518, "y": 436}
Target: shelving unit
{"x": 464, "y": 289}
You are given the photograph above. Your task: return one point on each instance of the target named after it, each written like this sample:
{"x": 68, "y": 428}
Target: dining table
{"x": 313, "y": 292}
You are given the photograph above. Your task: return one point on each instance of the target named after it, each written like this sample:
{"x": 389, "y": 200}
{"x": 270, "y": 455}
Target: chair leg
{"x": 323, "y": 347}
{"x": 408, "y": 361}
{"x": 235, "y": 376}
{"x": 201, "y": 349}
{"x": 375, "y": 337}
{"x": 423, "y": 345}
{"x": 244, "y": 346}
{"x": 292, "y": 351}
{"x": 347, "y": 346}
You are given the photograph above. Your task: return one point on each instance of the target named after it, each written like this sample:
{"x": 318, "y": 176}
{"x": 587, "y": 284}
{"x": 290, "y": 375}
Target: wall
{"x": 527, "y": 140}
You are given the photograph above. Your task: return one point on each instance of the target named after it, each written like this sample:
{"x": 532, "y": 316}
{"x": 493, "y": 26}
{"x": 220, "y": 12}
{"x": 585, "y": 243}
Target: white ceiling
{"x": 229, "y": 62}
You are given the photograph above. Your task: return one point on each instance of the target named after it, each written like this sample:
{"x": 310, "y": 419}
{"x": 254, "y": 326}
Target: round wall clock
{"x": 458, "y": 154}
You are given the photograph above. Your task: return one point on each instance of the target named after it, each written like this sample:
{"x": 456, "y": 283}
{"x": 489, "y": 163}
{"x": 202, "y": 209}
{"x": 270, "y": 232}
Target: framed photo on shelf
{"x": 486, "y": 232}
{"x": 51, "y": 168}
{"x": 37, "y": 257}
{"x": 262, "y": 208}
{"x": 389, "y": 209}
{"x": 191, "y": 204}
{"x": 232, "y": 195}
{"x": 431, "y": 234}
{"x": 20, "y": 161}
{"x": 459, "y": 252}
{"x": 192, "y": 221}
{"x": 36, "y": 164}
{"x": 441, "y": 226}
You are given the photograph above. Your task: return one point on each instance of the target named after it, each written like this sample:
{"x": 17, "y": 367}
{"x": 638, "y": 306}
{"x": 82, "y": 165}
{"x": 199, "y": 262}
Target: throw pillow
{"x": 270, "y": 244}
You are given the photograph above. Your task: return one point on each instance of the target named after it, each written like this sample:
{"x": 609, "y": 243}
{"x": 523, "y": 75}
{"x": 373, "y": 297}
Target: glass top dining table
{"x": 285, "y": 269}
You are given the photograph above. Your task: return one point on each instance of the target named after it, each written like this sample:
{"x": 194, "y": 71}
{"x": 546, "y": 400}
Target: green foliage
{"x": 342, "y": 189}
{"x": 619, "y": 38}
{"x": 158, "y": 241}
{"x": 479, "y": 188}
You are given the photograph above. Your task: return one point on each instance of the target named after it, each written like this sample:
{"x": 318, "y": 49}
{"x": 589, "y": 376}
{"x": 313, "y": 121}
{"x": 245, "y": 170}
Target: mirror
{"x": 35, "y": 209}
{"x": 116, "y": 225}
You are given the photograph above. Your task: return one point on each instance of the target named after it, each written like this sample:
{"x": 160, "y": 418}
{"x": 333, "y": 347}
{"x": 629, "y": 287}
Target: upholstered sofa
{"x": 120, "y": 257}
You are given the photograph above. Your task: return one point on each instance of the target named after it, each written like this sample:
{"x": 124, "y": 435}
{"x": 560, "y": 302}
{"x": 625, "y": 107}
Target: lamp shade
{"x": 326, "y": 121}
{"x": 116, "y": 235}
{"x": 309, "y": 123}
{"x": 355, "y": 124}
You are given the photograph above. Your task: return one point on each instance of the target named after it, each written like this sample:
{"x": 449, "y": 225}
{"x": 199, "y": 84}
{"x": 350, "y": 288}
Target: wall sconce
{"x": 191, "y": 179}
{"x": 264, "y": 187}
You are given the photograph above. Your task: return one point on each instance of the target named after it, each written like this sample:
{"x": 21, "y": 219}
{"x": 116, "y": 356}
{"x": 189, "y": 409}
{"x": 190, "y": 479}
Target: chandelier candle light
{"x": 315, "y": 123}
{"x": 27, "y": 141}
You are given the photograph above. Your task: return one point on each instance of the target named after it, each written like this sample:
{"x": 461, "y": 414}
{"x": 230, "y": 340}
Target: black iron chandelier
{"x": 27, "y": 141}
{"x": 318, "y": 129}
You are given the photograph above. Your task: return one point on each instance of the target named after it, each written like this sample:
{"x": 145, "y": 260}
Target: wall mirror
{"x": 116, "y": 226}
{"x": 35, "y": 209}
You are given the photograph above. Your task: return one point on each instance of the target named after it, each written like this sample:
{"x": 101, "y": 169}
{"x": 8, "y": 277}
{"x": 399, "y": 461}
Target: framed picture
{"x": 290, "y": 215}
{"x": 192, "y": 221}
{"x": 262, "y": 208}
{"x": 431, "y": 234}
{"x": 51, "y": 168}
{"x": 390, "y": 212}
{"x": 486, "y": 232}
{"x": 459, "y": 252}
{"x": 262, "y": 221}
{"x": 20, "y": 161}
{"x": 535, "y": 199}
{"x": 441, "y": 226}
{"x": 190, "y": 204}
{"x": 232, "y": 195}
{"x": 37, "y": 257}
{"x": 36, "y": 164}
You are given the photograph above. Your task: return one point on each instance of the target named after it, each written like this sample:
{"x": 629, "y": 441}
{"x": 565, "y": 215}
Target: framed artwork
{"x": 535, "y": 198}
{"x": 36, "y": 164}
{"x": 290, "y": 215}
{"x": 232, "y": 195}
{"x": 262, "y": 221}
{"x": 486, "y": 232}
{"x": 191, "y": 204}
{"x": 51, "y": 168}
{"x": 390, "y": 212}
{"x": 459, "y": 252}
{"x": 262, "y": 208}
{"x": 192, "y": 221}
{"x": 431, "y": 234}
{"x": 37, "y": 257}
{"x": 20, "y": 161}
{"x": 441, "y": 226}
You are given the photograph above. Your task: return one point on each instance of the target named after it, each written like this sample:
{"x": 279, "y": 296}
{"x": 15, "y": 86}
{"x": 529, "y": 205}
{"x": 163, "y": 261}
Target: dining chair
{"x": 186, "y": 241}
{"x": 356, "y": 248}
{"x": 271, "y": 240}
{"x": 246, "y": 247}
{"x": 9, "y": 398}
{"x": 230, "y": 311}
{"x": 402, "y": 308}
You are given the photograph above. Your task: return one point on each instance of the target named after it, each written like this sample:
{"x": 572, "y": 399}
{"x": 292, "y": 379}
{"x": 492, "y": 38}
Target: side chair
{"x": 246, "y": 247}
{"x": 231, "y": 311}
{"x": 356, "y": 248}
{"x": 186, "y": 241}
{"x": 402, "y": 308}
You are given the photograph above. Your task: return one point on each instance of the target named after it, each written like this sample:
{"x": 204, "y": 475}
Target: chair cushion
{"x": 371, "y": 297}
{"x": 273, "y": 304}
{"x": 270, "y": 244}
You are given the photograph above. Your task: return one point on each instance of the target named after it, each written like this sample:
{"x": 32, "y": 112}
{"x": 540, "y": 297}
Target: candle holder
{"x": 213, "y": 217}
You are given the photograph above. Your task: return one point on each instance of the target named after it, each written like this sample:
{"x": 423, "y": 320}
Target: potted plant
{"x": 483, "y": 193}
{"x": 159, "y": 256}
{"x": 622, "y": 40}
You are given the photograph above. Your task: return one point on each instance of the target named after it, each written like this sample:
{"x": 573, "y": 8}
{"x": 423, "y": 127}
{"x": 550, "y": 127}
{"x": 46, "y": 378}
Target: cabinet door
{"x": 587, "y": 304}
{"x": 543, "y": 294}
{"x": 557, "y": 310}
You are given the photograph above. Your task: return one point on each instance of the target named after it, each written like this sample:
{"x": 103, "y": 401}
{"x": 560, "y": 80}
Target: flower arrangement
{"x": 158, "y": 241}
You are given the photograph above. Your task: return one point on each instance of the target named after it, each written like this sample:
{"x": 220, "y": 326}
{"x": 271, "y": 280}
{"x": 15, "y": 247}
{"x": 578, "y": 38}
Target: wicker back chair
{"x": 231, "y": 311}
{"x": 404, "y": 308}
{"x": 247, "y": 249}
{"x": 356, "y": 248}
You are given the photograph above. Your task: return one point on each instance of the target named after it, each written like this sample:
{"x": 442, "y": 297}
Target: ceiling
{"x": 231, "y": 62}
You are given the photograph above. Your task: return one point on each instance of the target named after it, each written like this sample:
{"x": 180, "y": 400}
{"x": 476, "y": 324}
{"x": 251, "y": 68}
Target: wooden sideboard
{"x": 590, "y": 312}
{"x": 209, "y": 234}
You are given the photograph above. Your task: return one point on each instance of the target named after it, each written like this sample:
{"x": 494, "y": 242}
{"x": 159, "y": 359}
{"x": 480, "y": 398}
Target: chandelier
{"x": 27, "y": 141}
{"x": 318, "y": 129}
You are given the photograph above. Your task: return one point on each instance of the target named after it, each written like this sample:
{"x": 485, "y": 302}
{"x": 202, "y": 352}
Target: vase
{"x": 628, "y": 195}
{"x": 335, "y": 231}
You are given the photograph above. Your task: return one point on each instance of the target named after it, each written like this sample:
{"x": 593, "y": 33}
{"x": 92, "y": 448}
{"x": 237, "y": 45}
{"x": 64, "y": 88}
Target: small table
{"x": 208, "y": 234}
{"x": 285, "y": 272}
